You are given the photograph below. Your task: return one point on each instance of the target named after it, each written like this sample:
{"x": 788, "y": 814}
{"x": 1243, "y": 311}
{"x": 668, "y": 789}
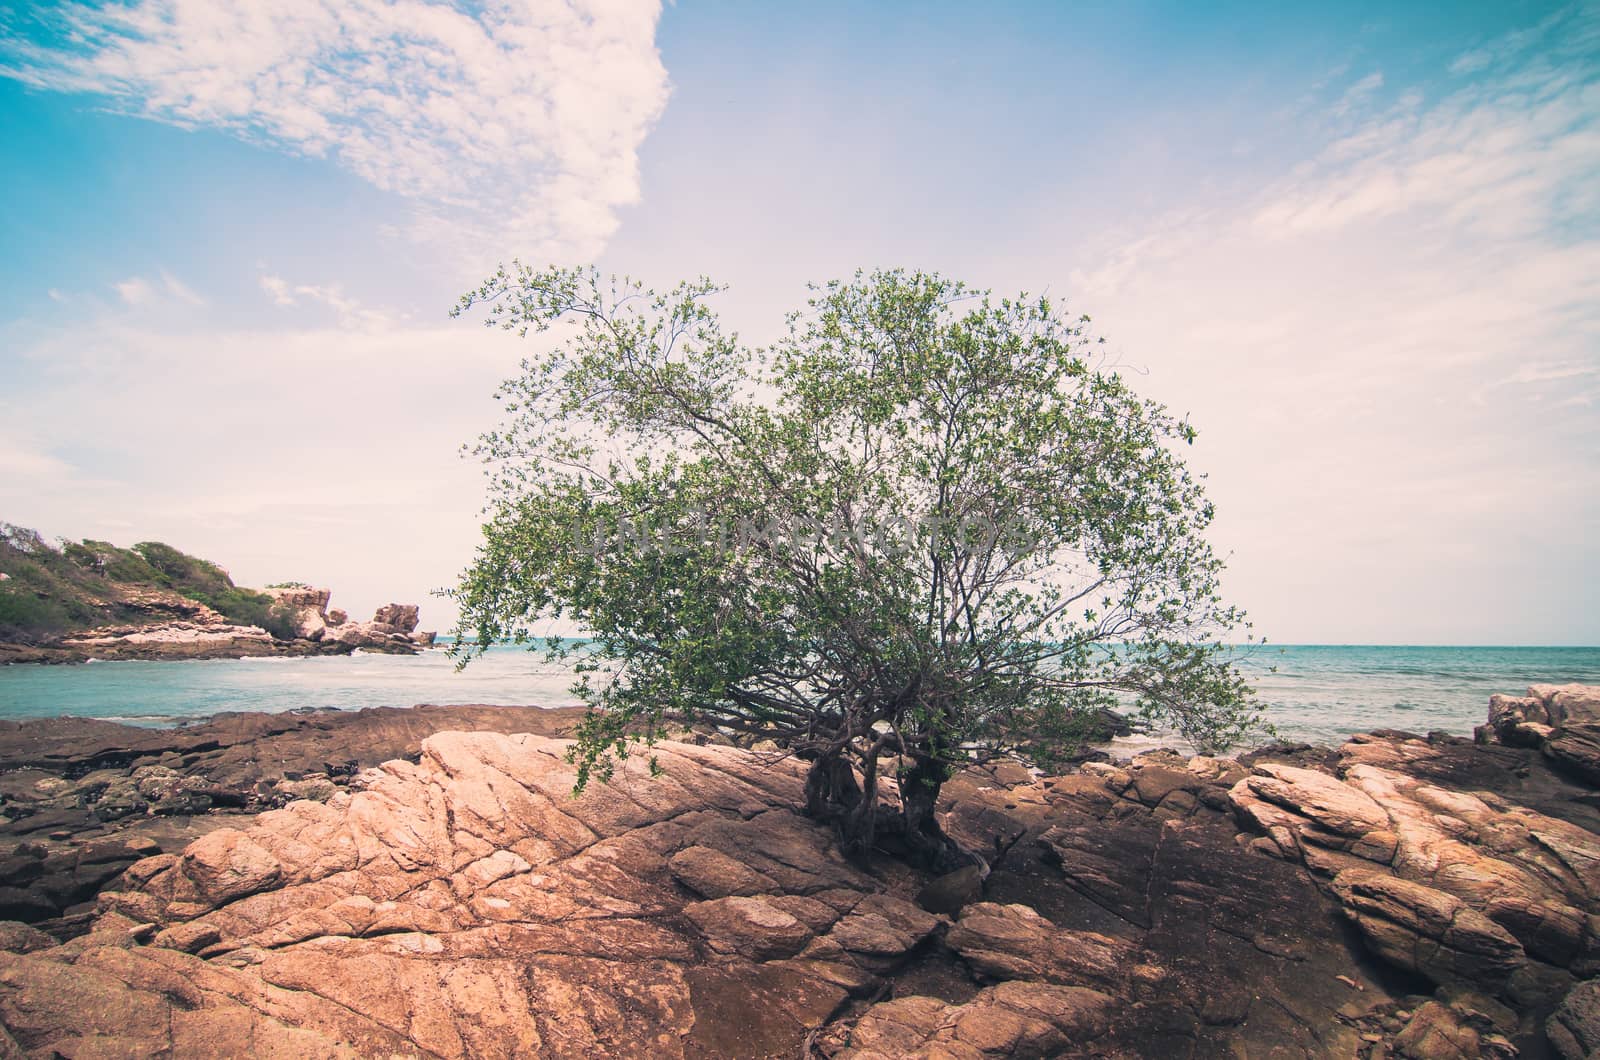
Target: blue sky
{"x": 1359, "y": 244}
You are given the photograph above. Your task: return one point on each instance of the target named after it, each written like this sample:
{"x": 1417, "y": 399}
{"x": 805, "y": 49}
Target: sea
{"x": 1312, "y": 693}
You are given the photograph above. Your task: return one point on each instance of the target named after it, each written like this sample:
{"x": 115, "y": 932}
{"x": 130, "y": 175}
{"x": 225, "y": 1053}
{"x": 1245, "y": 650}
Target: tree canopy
{"x": 926, "y": 528}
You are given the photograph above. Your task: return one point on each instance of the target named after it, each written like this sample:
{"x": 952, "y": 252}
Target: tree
{"x": 925, "y": 529}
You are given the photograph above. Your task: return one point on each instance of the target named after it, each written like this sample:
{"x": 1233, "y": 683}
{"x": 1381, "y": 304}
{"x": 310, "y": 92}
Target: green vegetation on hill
{"x": 50, "y": 590}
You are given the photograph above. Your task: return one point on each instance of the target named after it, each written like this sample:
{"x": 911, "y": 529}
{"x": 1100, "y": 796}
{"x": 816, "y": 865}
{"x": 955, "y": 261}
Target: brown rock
{"x": 713, "y": 874}
{"x": 1434, "y": 1032}
{"x": 302, "y": 596}
{"x": 401, "y": 617}
{"x": 1012, "y": 1019}
{"x": 950, "y": 893}
{"x": 468, "y": 905}
{"x": 17, "y": 937}
{"x": 1015, "y": 942}
{"x": 754, "y": 927}
{"x": 1428, "y": 931}
{"x": 1574, "y": 1027}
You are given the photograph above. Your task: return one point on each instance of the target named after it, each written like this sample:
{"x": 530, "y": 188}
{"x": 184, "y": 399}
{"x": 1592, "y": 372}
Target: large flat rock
{"x": 1398, "y": 896}
{"x": 82, "y": 799}
{"x": 468, "y": 905}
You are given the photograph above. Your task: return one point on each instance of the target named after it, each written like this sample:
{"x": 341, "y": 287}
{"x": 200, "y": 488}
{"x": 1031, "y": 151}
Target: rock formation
{"x": 1563, "y": 721}
{"x": 467, "y": 905}
{"x": 392, "y": 629}
{"x": 93, "y": 600}
{"x": 81, "y": 800}
{"x": 1401, "y": 896}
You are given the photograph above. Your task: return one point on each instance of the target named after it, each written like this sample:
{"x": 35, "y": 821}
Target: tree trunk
{"x": 926, "y": 842}
{"x": 831, "y": 788}
{"x": 833, "y": 794}
{"x": 858, "y": 831}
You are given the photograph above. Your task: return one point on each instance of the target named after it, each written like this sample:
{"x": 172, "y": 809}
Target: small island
{"x": 88, "y": 599}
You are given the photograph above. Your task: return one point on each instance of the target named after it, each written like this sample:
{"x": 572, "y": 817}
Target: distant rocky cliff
{"x": 91, "y": 599}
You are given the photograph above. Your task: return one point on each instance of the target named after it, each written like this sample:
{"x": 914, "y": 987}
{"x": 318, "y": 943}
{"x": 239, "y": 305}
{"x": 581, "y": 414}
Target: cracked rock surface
{"x": 1400, "y": 896}
{"x": 468, "y": 905}
{"x": 81, "y": 799}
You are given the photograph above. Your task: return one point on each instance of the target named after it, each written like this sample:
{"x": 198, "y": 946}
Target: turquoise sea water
{"x": 1318, "y": 694}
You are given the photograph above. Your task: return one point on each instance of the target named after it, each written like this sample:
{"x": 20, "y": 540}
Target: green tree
{"x": 924, "y": 529}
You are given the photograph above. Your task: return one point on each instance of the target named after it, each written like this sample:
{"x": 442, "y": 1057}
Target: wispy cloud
{"x": 1394, "y": 344}
{"x": 134, "y": 290}
{"x": 349, "y": 310}
{"x": 139, "y": 291}
{"x": 180, "y": 290}
{"x": 278, "y": 288}
{"x": 1358, "y": 93}
{"x": 513, "y": 126}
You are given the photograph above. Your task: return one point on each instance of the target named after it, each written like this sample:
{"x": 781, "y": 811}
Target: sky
{"x": 1357, "y": 244}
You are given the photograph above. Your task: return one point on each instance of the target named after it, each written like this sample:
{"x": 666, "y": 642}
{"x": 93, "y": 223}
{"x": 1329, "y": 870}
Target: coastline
{"x": 12, "y": 654}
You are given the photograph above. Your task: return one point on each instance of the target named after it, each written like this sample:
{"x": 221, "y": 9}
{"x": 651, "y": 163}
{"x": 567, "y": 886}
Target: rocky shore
{"x": 81, "y": 799}
{"x": 1402, "y": 895}
{"x": 184, "y": 629}
{"x": 74, "y": 601}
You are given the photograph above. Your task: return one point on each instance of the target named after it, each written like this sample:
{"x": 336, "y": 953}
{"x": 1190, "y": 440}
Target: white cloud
{"x": 1391, "y": 352}
{"x": 513, "y": 128}
{"x": 1512, "y": 151}
{"x": 134, "y": 290}
{"x": 138, "y": 291}
{"x": 349, "y": 311}
{"x": 278, "y": 288}
{"x": 1471, "y": 62}
{"x": 57, "y": 296}
{"x": 180, "y": 290}
{"x": 1358, "y": 93}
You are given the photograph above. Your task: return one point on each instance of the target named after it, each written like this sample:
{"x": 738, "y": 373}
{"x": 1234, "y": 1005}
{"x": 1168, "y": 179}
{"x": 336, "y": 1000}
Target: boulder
{"x": 952, "y": 891}
{"x": 1009, "y": 1020}
{"x": 1435, "y": 1032}
{"x": 713, "y": 874}
{"x": 1516, "y": 721}
{"x": 309, "y": 624}
{"x": 1561, "y": 720}
{"x": 1015, "y": 942}
{"x": 227, "y": 865}
{"x": 1576, "y": 748}
{"x": 400, "y": 618}
{"x": 755, "y": 927}
{"x": 1574, "y": 1027}
{"x": 301, "y": 596}
{"x": 1424, "y": 930}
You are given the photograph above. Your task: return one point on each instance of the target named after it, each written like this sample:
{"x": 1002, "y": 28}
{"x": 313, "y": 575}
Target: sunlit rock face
{"x": 1399, "y": 896}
